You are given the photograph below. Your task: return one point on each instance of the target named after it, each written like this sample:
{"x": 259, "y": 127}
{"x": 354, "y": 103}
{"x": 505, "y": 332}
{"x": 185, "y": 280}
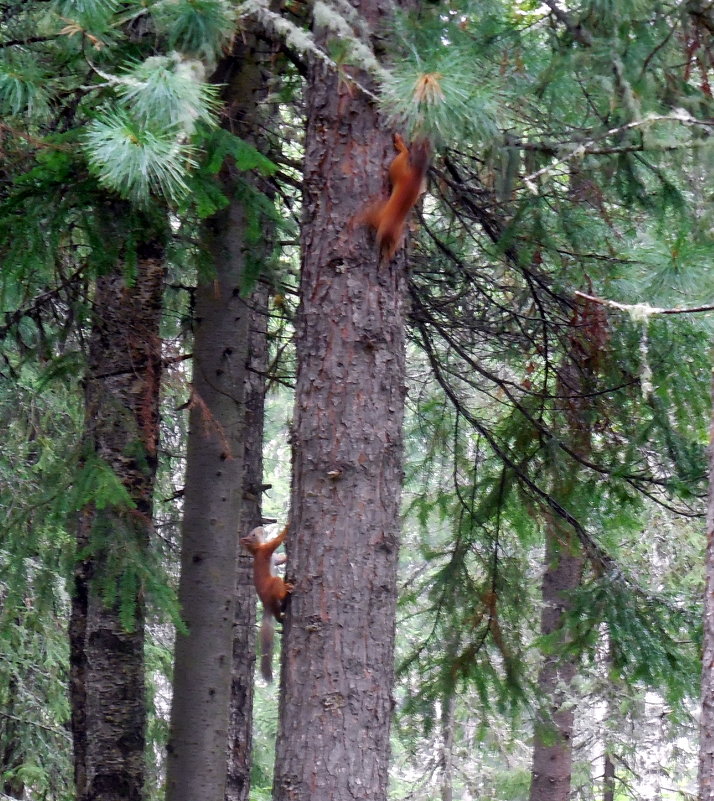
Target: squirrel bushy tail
{"x": 267, "y": 637}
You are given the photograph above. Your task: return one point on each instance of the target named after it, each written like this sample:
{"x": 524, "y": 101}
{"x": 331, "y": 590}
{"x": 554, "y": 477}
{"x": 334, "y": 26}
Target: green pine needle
{"x": 167, "y": 91}
{"x": 90, "y": 13}
{"x": 442, "y": 102}
{"x": 197, "y": 27}
{"x": 135, "y": 161}
{"x": 23, "y": 88}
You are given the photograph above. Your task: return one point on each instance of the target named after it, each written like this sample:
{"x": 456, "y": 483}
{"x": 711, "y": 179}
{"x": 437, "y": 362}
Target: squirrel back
{"x": 271, "y": 589}
{"x": 407, "y": 174}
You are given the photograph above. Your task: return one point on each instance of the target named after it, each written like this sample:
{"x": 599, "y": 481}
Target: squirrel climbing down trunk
{"x": 407, "y": 174}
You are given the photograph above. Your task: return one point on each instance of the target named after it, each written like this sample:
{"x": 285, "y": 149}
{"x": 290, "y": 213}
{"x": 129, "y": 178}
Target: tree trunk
{"x": 338, "y": 643}
{"x": 564, "y": 560}
{"x": 552, "y": 749}
{"x": 447, "y": 747}
{"x": 244, "y": 78}
{"x": 608, "y": 780}
{"x": 241, "y": 703}
{"x": 706, "y": 726}
{"x": 106, "y": 654}
{"x": 196, "y": 763}
{"x": 12, "y": 754}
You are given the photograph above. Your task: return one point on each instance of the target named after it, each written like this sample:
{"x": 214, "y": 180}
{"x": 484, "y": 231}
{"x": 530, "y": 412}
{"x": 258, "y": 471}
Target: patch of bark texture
{"x": 338, "y": 644}
{"x": 107, "y": 619}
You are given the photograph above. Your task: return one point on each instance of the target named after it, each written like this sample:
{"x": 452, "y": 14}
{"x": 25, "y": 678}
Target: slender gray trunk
{"x": 447, "y": 735}
{"x": 244, "y": 640}
{"x": 706, "y": 726}
{"x": 107, "y": 619}
{"x": 564, "y": 561}
{"x": 245, "y": 78}
{"x": 553, "y": 746}
{"x": 196, "y": 754}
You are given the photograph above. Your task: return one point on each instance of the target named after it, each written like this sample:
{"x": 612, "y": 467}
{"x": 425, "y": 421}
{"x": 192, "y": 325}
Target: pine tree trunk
{"x": 608, "y": 780}
{"x": 12, "y": 753}
{"x": 447, "y": 735}
{"x": 609, "y": 776}
{"x": 706, "y": 725}
{"x": 198, "y": 742}
{"x": 243, "y": 76}
{"x": 552, "y": 748}
{"x": 106, "y": 657}
{"x": 338, "y": 641}
{"x": 564, "y": 560}
{"x": 244, "y": 640}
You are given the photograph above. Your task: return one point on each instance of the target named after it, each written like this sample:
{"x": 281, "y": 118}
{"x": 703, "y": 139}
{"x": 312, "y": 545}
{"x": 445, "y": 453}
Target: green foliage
{"x": 135, "y": 161}
{"x": 166, "y": 92}
{"x": 440, "y": 101}
{"x": 653, "y": 641}
{"x": 199, "y": 28}
{"x": 23, "y": 86}
{"x": 219, "y": 144}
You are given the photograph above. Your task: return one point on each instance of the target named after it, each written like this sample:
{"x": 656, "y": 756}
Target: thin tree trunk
{"x": 106, "y": 653}
{"x": 244, "y": 76}
{"x": 564, "y": 562}
{"x": 244, "y": 640}
{"x": 552, "y": 749}
{"x": 447, "y": 734}
{"x": 608, "y": 780}
{"x": 12, "y": 754}
{"x": 706, "y": 726}
{"x": 338, "y": 641}
{"x": 196, "y": 754}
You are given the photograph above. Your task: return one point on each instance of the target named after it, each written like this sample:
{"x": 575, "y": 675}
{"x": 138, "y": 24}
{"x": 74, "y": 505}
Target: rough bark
{"x": 196, "y": 754}
{"x": 706, "y": 725}
{"x": 121, "y": 429}
{"x": 338, "y": 640}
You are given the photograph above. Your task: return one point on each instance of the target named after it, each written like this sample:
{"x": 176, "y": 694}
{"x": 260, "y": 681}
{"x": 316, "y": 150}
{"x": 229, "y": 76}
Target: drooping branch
{"x": 644, "y": 309}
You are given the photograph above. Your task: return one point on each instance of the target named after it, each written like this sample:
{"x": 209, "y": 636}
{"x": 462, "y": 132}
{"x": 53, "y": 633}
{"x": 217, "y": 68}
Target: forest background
{"x": 200, "y": 336}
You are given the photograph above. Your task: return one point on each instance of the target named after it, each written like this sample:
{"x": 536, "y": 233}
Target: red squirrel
{"x": 271, "y": 589}
{"x": 407, "y": 175}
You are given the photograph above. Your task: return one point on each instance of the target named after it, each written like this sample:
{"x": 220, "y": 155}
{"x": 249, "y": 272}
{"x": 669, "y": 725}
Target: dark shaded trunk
{"x": 706, "y": 725}
{"x": 11, "y": 753}
{"x": 107, "y": 619}
{"x": 338, "y": 641}
{"x": 608, "y": 780}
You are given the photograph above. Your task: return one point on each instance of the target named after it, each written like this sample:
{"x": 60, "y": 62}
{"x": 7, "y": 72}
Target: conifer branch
{"x": 641, "y": 310}
{"x": 680, "y": 115}
{"x": 596, "y": 553}
{"x": 304, "y": 42}
{"x": 27, "y": 41}
{"x": 576, "y": 29}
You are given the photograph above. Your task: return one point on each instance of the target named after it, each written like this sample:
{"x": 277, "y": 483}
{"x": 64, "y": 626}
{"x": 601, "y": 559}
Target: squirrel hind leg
{"x": 370, "y": 216}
